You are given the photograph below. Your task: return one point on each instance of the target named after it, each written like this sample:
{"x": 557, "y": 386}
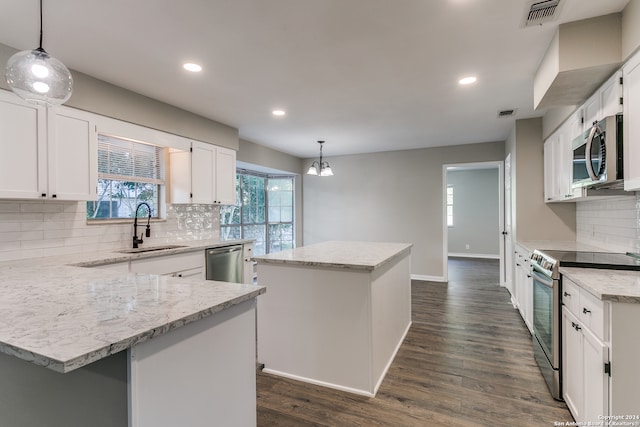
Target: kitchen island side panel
{"x": 391, "y": 302}
{"x": 314, "y": 325}
{"x": 201, "y": 374}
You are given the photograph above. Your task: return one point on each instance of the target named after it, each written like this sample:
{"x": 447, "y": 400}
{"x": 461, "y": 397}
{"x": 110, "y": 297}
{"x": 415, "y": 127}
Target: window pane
{"x": 280, "y": 237}
{"x": 231, "y": 233}
{"x": 119, "y": 199}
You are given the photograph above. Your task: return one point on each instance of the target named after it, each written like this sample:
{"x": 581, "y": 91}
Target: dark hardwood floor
{"x": 467, "y": 361}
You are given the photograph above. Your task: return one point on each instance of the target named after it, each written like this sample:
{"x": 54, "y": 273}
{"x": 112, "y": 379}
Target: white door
{"x": 203, "y": 161}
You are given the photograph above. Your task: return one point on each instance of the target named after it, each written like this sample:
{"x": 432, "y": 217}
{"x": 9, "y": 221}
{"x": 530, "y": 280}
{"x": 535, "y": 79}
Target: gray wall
{"x": 476, "y": 212}
{"x": 532, "y": 218}
{"x": 100, "y": 97}
{"x": 393, "y": 196}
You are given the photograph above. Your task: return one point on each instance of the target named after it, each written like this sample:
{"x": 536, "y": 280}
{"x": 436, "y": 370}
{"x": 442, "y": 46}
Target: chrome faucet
{"x": 136, "y": 240}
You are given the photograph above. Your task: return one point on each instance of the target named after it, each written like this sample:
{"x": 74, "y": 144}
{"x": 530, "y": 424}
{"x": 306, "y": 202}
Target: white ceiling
{"x": 364, "y": 75}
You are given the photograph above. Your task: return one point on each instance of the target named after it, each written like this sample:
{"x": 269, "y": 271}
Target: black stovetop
{"x": 612, "y": 261}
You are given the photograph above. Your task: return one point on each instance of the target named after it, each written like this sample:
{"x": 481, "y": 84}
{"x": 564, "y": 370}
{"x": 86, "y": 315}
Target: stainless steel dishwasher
{"x": 224, "y": 264}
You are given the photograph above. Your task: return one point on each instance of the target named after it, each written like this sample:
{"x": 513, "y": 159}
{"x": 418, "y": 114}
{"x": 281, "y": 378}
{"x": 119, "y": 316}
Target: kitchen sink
{"x": 150, "y": 249}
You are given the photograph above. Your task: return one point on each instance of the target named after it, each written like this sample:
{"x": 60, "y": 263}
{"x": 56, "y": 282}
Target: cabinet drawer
{"x": 571, "y": 296}
{"x": 593, "y": 314}
{"x": 168, "y": 264}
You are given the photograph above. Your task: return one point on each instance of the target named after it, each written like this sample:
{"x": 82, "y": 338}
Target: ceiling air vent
{"x": 537, "y": 12}
{"x": 506, "y": 113}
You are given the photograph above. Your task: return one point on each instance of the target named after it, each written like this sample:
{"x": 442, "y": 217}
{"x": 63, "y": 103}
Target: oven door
{"x": 546, "y": 316}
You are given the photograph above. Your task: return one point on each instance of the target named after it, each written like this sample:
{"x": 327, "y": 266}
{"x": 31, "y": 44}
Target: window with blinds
{"x": 129, "y": 172}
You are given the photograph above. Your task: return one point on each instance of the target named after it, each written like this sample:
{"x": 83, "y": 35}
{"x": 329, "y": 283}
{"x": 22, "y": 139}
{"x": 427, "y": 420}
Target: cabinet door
{"x": 610, "y": 94}
{"x": 572, "y": 364}
{"x": 631, "y": 124}
{"x": 22, "y": 148}
{"x": 203, "y": 162}
{"x": 631, "y": 90}
{"x": 225, "y": 176}
{"x": 179, "y": 185}
{"x": 549, "y": 169}
{"x": 596, "y": 381}
{"x": 591, "y": 110}
{"x": 72, "y": 155}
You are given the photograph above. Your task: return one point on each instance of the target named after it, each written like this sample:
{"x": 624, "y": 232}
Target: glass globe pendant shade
{"x": 37, "y": 77}
{"x": 313, "y": 170}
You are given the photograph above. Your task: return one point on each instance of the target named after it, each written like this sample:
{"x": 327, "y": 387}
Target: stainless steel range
{"x": 547, "y": 309}
{"x": 547, "y": 303}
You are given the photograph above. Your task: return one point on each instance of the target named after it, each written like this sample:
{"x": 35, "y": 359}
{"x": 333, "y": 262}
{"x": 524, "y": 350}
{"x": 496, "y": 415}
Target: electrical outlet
{"x": 466, "y": 246}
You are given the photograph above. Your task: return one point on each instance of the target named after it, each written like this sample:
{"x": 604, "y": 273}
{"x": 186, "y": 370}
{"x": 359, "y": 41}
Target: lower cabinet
{"x": 586, "y": 384}
{"x": 600, "y": 348}
{"x": 190, "y": 264}
{"x": 523, "y": 292}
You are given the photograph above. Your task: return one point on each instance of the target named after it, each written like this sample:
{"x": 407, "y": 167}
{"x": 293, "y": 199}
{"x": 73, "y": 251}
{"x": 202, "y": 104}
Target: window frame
{"x": 158, "y": 208}
{"x": 449, "y": 205}
{"x": 267, "y": 223}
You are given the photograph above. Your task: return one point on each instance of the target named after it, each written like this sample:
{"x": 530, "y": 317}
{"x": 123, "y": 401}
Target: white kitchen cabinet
{"x": 523, "y": 291}
{"x": 205, "y": 175}
{"x": 72, "y": 154}
{"x": 631, "y": 123}
{"x": 48, "y": 153}
{"x": 23, "y": 148}
{"x": 189, "y": 264}
{"x": 585, "y": 381}
{"x": 599, "y": 354}
{"x": 604, "y": 102}
{"x": 558, "y": 160}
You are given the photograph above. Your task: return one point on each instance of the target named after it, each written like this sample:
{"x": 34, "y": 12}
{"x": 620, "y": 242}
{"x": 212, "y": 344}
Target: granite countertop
{"x": 64, "y": 316}
{"x": 607, "y": 285}
{"x": 340, "y": 254}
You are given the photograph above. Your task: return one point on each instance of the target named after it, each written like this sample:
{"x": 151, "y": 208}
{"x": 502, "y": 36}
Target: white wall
{"x": 393, "y": 196}
{"x": 476, "y": 215}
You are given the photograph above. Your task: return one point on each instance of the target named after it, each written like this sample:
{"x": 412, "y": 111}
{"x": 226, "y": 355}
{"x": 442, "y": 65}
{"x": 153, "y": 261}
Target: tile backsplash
{"x": 610, "y": 223}
{"x": 36, "y": 228}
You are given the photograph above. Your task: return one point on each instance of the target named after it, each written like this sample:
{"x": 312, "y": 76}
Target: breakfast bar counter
{"x": 88, "y": 346}
{"x": 336, "y": 312}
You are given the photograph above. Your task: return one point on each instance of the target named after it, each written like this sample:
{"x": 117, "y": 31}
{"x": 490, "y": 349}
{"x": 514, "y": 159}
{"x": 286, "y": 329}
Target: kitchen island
{"x": 84, "y": 346}
{"x": 336, "y": 312}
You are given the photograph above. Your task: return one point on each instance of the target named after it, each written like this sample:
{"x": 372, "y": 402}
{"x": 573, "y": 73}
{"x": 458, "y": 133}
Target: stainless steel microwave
{"x": 597, "y": 154}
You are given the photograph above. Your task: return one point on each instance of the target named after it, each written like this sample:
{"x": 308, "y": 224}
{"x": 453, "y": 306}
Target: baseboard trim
{"x": 468, "y": 255}
{"x": 317, "y": 382}
{"x": 427, "y": 278}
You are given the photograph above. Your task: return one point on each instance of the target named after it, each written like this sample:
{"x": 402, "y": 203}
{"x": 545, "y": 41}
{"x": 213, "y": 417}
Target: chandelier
{"x": 320, "y": 167}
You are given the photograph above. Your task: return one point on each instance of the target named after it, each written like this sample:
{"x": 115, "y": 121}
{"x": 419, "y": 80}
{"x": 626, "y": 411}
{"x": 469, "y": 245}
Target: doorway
{"x": 473, "y": 217}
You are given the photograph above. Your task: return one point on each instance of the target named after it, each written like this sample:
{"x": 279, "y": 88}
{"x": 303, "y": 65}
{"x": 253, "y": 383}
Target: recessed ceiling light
{"x": 190, "y": 66}
{"x": 278, "y": 112}
{"x": 467, "y": 80}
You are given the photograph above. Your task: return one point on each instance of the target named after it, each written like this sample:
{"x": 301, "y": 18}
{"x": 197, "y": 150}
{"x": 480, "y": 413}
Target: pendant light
{"x": 321, "y": 167}
{"x": 37, "y": 77}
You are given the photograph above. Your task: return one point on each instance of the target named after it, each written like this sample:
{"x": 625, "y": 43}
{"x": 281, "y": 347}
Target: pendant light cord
{"x": 41, "y": 25}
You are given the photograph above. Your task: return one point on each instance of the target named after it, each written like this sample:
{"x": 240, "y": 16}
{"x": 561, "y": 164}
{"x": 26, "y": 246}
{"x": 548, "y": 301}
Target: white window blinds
{"x": 126, "y": 160}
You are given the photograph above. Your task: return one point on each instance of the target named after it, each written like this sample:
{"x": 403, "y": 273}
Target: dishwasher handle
{"x": 224, "y": 250}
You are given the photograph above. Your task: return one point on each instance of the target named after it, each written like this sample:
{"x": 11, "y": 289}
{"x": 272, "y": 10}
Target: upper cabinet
{"x": 631, "y": 123}
{"x": 46, "y": 152}
{"x": 206, "y": 174}
{"x": 558, "y": 156}
{"x": 605, "y": 102}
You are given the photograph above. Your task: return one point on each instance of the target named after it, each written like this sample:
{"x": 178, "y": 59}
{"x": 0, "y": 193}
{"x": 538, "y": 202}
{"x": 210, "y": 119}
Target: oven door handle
{"x": 542, "y": 279}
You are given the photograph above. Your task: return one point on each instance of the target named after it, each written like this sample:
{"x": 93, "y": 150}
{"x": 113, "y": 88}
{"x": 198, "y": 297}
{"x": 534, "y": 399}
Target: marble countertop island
{"x": 340, "y": 254}
{"x": 607, "y": 285}
{"x": 64, "y": 316}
